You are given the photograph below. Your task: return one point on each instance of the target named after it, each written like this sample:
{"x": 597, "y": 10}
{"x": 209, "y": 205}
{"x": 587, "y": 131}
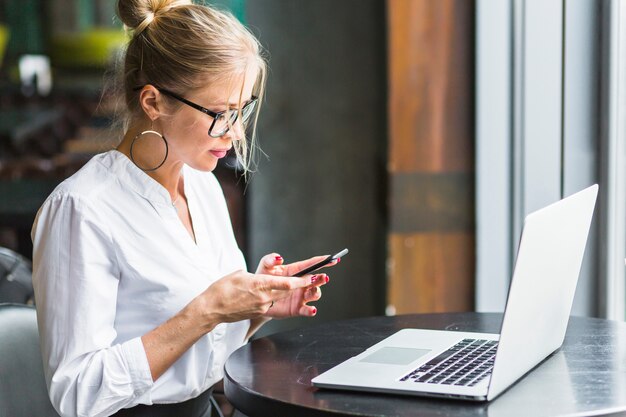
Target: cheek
{"x": 190, "y": 125}
{"x": 190, "y": 132}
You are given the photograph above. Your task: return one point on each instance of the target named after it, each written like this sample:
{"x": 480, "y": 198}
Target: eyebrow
{"x": 233, "y": 105}
{"x": 218, "y": 106}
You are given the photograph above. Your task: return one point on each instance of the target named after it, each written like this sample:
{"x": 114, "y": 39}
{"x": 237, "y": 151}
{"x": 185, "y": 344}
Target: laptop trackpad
{"x": 395, "y": 355}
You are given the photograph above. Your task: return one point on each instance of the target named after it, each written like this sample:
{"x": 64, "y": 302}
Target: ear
{"x": 151, "y": 101}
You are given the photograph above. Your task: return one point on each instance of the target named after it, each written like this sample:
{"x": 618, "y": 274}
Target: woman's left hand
{"x": 296, "y": 304}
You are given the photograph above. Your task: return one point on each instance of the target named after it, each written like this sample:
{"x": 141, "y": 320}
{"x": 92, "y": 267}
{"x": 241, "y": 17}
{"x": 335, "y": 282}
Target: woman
{"x": 141, "y": 289}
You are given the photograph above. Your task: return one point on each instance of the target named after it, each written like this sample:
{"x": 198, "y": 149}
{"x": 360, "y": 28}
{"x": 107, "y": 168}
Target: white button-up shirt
{"x": 112, "y": 261}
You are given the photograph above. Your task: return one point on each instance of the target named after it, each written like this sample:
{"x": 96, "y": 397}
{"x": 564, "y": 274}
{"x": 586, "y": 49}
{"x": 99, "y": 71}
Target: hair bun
{"x": 138, "y": 14}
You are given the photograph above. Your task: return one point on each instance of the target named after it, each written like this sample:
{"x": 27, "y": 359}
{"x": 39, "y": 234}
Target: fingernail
{"x": 314, "y": 311}
{"x": 338, "y": 260}
{"x": 327, "y": 278}
{"x": 314, "y": 278}
{"x": 278, "y": 258}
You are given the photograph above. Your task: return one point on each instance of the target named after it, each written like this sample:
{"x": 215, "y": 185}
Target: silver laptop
{"x": 480, "y": 366}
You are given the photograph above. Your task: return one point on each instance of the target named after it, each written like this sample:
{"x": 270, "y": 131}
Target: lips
{"x": 219, "y": 153}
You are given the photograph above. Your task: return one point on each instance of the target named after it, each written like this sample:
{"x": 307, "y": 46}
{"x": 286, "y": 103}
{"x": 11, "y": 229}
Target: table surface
{"x": 271, "y": 376}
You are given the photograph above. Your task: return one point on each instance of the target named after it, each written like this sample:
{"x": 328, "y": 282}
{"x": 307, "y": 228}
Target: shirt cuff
{"x": 138, "y": 366}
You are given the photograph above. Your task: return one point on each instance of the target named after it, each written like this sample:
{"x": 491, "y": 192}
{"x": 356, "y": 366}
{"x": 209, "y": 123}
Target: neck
{"x": 168, "y": 174}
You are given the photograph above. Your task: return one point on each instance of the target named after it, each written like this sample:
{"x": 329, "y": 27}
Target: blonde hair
{"x": 180, "y": 46}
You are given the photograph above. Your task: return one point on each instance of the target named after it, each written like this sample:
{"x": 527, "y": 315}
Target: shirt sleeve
{"x": 75, "y": 276}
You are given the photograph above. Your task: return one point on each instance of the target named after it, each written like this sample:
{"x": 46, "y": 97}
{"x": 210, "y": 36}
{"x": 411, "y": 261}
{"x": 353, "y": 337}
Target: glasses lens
{"x": 220, "y": 126}
{"x": 248, "y": 110}
{"x": 222, "y": 123}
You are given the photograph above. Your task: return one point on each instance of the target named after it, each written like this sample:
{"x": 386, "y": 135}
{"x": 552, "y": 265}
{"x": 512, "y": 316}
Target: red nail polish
{"x": 278, "y": 258}
{"x": 338, "y": 260}
{"x": 327, "y": 278}
{"x": 314, "y": 311}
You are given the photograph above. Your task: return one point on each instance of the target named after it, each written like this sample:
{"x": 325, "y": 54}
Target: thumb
{"x": 272, "y": 259}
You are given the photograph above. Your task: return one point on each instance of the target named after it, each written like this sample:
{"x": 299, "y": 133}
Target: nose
{"x": 237, "y": 131}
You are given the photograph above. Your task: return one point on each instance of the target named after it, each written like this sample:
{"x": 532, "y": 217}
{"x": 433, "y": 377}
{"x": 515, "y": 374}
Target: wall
{"x": 431, "y": 156}
{"x": 322, "y": 187}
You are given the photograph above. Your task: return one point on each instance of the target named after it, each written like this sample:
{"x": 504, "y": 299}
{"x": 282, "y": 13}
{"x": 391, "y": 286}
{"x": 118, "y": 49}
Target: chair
{"x": 16, "y": 284}
{"x": 23, "y": 391}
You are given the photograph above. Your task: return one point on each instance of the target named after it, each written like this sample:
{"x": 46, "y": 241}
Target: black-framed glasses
{"x": 222, "y": 121}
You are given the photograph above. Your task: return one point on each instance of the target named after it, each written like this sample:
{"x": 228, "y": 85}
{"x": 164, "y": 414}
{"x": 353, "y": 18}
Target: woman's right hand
{"x": 242, "y": 295}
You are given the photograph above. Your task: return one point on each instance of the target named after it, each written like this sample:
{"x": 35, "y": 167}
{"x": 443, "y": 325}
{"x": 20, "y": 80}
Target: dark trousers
{"x": 195, "y": 407}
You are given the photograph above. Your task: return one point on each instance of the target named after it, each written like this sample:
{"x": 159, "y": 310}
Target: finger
{"x": 319, "y": 280}
{"x": 270, "y": 261}
{"x": 295, "y": 267}
{"x": 277, "y": 295}
{"x": 308, "y": 311}
{"x": 333, "y": 263}
{"x": 273, "y": 282}
{"x": 313, "y": 294}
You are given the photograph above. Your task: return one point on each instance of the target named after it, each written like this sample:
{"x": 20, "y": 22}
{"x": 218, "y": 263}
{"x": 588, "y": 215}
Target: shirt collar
{"x": 132, "y": 176}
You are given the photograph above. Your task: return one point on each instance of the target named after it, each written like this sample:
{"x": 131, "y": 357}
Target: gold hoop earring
{"x": 132, "y": 144}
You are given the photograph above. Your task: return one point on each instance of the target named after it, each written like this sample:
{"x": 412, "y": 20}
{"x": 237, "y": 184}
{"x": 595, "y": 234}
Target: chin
{"x": 205, "y": 165}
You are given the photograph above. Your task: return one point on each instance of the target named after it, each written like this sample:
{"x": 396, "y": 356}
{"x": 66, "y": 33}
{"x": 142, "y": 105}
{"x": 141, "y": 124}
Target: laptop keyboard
{"x": 466, "y": 363}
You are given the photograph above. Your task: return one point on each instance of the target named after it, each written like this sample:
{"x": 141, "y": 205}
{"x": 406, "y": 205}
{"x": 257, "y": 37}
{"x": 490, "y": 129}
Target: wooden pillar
{"x": 431, "y": 155}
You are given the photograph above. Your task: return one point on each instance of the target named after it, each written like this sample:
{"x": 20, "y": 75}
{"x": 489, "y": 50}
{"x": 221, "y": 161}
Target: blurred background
{"x": 416, "y": 133}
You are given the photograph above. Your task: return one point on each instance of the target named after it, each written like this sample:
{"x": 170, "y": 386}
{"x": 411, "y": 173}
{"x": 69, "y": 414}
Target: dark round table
{"x": 271, "y": 376}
